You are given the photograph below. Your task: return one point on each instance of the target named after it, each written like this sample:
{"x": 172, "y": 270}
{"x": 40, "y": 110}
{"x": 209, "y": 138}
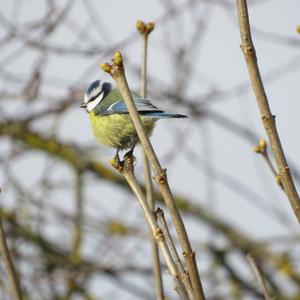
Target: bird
{"x": 110, "y": 120}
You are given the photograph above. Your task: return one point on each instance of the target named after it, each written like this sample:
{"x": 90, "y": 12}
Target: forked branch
{"x": 259, "y": 275}
{"x": 125, "y": 167}
{"x": 116, "y": 70}
{"x": 267, "y": 118}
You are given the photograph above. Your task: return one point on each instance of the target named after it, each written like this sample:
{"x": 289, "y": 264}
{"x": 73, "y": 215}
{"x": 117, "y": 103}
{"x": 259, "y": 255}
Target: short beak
{"x": 83, "y": 105}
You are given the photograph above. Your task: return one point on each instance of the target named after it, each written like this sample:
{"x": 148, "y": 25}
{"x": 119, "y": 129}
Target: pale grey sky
{"x": 218, "y": 65}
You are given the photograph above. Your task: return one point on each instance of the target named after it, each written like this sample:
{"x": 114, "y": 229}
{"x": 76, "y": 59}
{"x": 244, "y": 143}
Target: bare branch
{"x": 183, "y": 275}
{"x": 11, "y": 271}
{"x": 116, "y": 70}
{"x": 267, "y": 118}
{"x": 126, "y": 169}
{"x": 259, "y": 275}
{"x": 145, "y": 30}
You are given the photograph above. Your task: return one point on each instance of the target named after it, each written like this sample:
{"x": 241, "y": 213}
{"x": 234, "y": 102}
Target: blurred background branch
{"x": 72, "y": 225}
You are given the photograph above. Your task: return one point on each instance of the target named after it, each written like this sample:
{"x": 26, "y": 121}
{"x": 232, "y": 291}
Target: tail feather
{"x": 164, "y": 115}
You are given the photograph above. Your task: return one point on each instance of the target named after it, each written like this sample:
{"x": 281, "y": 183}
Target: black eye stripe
{"x": 94, "y": 97}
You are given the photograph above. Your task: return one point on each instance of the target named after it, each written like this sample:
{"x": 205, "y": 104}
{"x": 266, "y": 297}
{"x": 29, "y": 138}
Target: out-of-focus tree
{"x": 72, "y": 226}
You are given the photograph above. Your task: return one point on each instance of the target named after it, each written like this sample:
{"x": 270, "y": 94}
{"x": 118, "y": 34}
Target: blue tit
{"x": 109, "y": 118}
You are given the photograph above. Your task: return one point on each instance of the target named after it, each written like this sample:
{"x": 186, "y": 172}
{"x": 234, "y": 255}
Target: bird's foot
{"x": 129, "y": 156}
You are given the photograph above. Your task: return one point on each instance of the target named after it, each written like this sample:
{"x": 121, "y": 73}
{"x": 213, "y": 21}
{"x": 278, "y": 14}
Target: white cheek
{"x": 91, "y": 105}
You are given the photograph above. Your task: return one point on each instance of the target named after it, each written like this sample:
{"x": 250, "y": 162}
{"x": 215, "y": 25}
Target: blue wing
{"x": 144, "y": 107}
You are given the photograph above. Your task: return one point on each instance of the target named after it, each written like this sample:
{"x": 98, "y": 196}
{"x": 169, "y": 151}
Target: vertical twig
{"x": 267, "y": 118}
{"x": 145, "y": 30}
{"x": 11, "y": 271}
{"x": 77, "y": 234}
{"x": 75, "y": 253}
{"x": 116, "y": 70}
{"x": 259, "y": 275}
{"x": 181, "y": 271}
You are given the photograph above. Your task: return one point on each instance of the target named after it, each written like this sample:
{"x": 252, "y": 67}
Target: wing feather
{"x": 142, "y": 105}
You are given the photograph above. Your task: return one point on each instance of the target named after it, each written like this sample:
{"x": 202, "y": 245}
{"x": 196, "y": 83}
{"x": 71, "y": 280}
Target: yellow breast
{"x": 117, "y": 130}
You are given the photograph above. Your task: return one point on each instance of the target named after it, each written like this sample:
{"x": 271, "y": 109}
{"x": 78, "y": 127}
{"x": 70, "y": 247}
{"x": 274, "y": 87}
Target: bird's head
{"x": 95, "y": 92}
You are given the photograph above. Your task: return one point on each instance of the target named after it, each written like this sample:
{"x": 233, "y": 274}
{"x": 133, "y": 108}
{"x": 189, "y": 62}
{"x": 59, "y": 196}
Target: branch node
{"x": 150, "y": 27}
{"x": 190, "y": 255}
{"x": 159, "y": 212}
{"x": 145, "y": 28}
{"x": 159, "y": 235}
{"x": 106, "y": 67}
{"x": 249, "y": 51}
{"x": 118, "y": 60}
{"x": 279, "y": 181}
{"x": 140, "y": 26}
{"x": 116, "y": 67}
{"x": 162, "y": 177}
{"x": 261, "y": 147}
{"x": 286, "y": 169}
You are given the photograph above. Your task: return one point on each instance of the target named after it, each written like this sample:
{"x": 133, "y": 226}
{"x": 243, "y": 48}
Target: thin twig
{"x": 126, "y": 169}
{"x": 267, "y": 118}
{"x": 154, "y": 250}
{"x": 259, "y": 275}
{"x": 77, "y": 234}
{"x": 116, "y": 70}
{"x": 184, "y": 277}
{"x": 11, "y": 271}
{"x": 145, "y": 30}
